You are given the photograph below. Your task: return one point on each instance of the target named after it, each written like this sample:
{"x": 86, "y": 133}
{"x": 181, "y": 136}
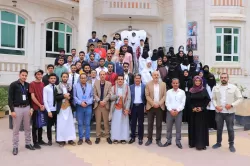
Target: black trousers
{"x": 137, "y": 114}
{"x": 229, "y": 119}
{"x": 36, "y": 132}
{"x": 151, "y": 116}
{"x": 51, "y": 122}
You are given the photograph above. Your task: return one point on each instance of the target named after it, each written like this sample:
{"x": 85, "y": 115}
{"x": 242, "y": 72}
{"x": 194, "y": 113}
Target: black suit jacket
{"x": 131, "y": 78}
{"x": 130, "y": 49}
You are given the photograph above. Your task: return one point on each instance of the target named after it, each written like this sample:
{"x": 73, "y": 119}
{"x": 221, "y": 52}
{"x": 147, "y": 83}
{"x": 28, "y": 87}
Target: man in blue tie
{"x": 83, "y": 98}
{"x": 137, "y": 107}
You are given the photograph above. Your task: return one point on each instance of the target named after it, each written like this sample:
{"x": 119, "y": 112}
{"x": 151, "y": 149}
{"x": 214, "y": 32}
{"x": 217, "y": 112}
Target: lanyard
{"x": 23, "y": 89}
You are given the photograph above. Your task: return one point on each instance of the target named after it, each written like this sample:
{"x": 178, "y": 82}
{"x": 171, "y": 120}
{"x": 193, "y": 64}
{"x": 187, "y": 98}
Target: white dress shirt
{"x": 100, "y": 69}
{"x": 138, "y": 99}
{"x": 76, "y": 79}
{"x": 175, "y": 99}
{"x": 68, "y": 66}
{"x": 48, "y": 98}
{"x": 126, "y": 78}
{"x": 93, "y": 81}
{"x": 223, "y": 90}
{"x": 156, "y": 92}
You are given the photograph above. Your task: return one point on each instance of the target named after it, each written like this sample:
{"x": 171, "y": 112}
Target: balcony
{"x": 138, "y": 9}
{"x": 228, "y": 10}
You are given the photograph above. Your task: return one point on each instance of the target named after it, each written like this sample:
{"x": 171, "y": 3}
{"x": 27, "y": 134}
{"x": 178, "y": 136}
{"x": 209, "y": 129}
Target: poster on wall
{"x": 169, "y": 36}
{"x": 192, "y": 36}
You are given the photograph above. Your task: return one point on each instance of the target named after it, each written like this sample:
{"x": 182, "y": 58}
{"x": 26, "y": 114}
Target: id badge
{"x": 186, "y": 89}
{"x": 84, "y": 97}
{"x": 24, "y": 97}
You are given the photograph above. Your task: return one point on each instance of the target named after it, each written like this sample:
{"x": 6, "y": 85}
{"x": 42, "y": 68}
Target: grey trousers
{"x": 229, "y": 118}
{"x": 22, "y": 114}
{"x": 170, "y": 121}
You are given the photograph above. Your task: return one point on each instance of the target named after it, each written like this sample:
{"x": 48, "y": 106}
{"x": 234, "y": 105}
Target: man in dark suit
{"x": 119, "y": 64}
{"x": 138, "y": 102}
{"x": 130, "y": 49}
{"x": 128, "y": 77}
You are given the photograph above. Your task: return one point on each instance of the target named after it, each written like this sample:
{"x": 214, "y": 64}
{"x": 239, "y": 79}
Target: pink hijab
{"x": 196, "y": 89}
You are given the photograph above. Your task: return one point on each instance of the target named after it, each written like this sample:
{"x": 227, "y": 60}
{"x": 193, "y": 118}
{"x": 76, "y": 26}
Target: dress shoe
{"x": 15, "y": 151}
{"x": 131, "y": 141}
{"x": 216, "y": 146}
{"x": 42, "y": 143}
{"x": 167, "y": 144}
{"x": 50, "y": 143}
{"x": 123, "y": 142}
{"x": 37, "y": 146}
{"x": 232, "y": 148}
{"x": 140, "y": 142}
{"x": 179, "y": 146}
{"x": 97, "y": 141}
{"x": 30, "y": 147}
{"x": 71, "y": 142}
{"x": 80, "y": 142}
{"x": 88, "y": 141}
{"x": 149, "y": 142}
{"x": 159, "y": 144}
{"x": 109, "y": 141}
{"x": 61, "y": 144}
{"x": 115, "y": 142}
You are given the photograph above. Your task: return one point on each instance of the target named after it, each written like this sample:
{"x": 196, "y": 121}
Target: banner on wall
{"x": 192, "y": 36}
{"x": 169, "y": 36}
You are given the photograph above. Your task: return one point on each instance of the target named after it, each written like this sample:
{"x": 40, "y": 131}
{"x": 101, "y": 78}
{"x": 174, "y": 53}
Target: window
{"x": 58, "y": 37}
{"x": 12, "y": 32}
{"x": 227, "y": 44}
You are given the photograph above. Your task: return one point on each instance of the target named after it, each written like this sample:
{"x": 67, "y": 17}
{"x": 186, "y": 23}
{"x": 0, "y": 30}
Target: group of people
{"x": 119, "y": 85}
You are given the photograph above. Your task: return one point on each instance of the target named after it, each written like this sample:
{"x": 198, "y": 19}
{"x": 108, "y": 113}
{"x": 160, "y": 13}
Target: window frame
{"x": 16, "y": 32}
{"x": 233, "y": 35}
{"x": 53, "y": 37}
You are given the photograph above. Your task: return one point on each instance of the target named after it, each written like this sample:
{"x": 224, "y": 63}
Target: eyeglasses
{"x": 109, "y": 56}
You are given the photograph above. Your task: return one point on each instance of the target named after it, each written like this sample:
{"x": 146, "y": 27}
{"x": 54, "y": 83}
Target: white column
{"x": 85, "y": 25}
{"x": 180, "y": 23}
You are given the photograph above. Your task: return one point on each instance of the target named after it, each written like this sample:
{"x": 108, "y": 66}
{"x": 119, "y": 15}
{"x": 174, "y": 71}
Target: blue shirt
{"x": 97, "y": 57}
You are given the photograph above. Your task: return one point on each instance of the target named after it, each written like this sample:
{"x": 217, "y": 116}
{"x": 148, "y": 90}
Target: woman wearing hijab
{"x": 198, "y": 135}
{"x": 201, "y": 74}
{"x": 190, "y": 56}
{"x": 165, "y": 61}
{"x": 186, "y": 84}
{"x": 160, "y": 52}
{"x": 162, "y": 69}
{"x": 143, "y": 59}
{"x": 171, "y": 51}
{"x": 185, "y": 64}
{"x": 198, "y": 63}
{"x": 154, "y": 59}
{"x": 146, "y": 73}
{"x": 211, "y": 82}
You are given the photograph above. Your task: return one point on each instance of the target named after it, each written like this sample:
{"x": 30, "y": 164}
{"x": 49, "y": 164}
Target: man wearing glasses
{"x": 109, "y": 58}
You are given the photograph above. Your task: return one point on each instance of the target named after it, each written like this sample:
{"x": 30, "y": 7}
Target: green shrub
{"x": 3, "y": 97}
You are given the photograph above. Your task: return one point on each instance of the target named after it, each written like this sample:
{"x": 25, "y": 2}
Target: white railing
{"x": 230, "y": 71}
{"x": 12, "y": 67}
{"x": 239, "y": 3}
{"x": 134, "y": 4}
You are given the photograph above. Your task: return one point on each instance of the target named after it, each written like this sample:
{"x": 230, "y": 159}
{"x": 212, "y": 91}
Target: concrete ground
{"x": 123, "y": 155}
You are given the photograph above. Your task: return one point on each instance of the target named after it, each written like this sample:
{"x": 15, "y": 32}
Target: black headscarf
{"x": 145, "y": 53}
{"x": 160, "y": 52}
{"x": 155, "y": 55}
{"x": 171, "y": 51}
{"x": 190, "y": 58}
{"x": 210, "y": 79}
{"x": 165, "y": 63}
{"x": 185, "y": 61}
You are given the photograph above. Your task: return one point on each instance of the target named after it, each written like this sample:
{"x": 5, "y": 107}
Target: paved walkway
{"x": 123, "y": 155}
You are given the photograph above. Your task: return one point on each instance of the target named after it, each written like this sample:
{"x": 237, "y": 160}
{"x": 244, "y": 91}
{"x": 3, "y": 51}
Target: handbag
{"x": 41, "y": 118}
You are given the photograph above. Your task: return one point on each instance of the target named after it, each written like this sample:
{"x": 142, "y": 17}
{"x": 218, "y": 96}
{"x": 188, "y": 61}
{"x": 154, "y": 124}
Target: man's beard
{"x": 126, "y": 71}
{"x": 223, "y": 82}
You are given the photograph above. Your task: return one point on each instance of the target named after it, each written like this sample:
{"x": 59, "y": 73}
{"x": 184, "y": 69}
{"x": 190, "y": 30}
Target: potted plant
{"x": 3, "y": 101}
{"x": 242, "y": 90}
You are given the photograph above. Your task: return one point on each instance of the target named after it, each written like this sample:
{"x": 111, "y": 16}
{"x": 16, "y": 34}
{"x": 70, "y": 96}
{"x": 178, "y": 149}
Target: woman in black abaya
{"x": 211, "y": 82}
{"x": 198, "y": 135}
{"x": 186, "y": 84}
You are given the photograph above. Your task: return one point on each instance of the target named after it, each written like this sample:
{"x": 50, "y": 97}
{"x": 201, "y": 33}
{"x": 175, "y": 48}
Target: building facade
{"x": 33, "y": 31}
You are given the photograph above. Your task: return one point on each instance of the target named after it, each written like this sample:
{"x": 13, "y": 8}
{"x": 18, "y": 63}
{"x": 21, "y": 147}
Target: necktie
{"x": 120, "y": 64}
{"x": 73, "y": 80}
{"x": 54, "y": 101}
{"x": 150, "y": 73}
